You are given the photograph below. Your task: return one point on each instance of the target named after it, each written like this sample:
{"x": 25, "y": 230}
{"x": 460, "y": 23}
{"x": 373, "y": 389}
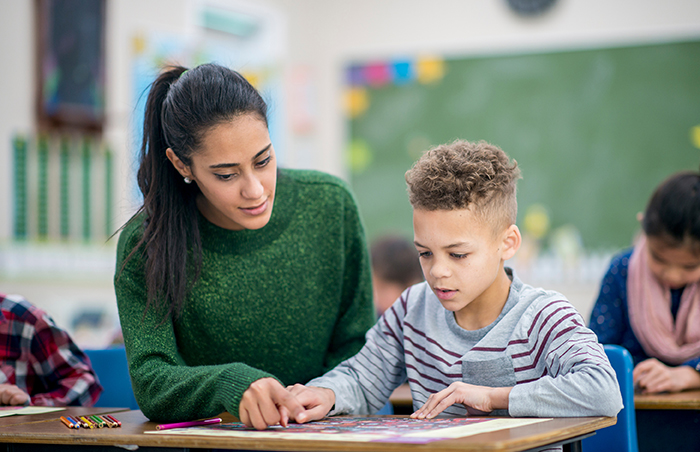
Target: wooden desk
{"x": 668, "y": 421}
{"x": 52, "y": 435}
{"x": 686, "y": 400}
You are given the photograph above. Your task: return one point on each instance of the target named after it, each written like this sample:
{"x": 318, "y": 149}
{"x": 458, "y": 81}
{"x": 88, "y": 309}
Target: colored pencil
{"x": 68, "y": 423}
{"x": 88, "y": 422}
{"x": 114, "y": 419}
{"x": 82, "y": 423}
{"x": 74, "y": 420}
{"x": 188, "y": 424}
{"x": 96, "y": 419}
{"x": 109, "y": 423}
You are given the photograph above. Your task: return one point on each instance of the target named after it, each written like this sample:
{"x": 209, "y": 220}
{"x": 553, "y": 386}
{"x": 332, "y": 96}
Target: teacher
{"x": 234, "y": 278}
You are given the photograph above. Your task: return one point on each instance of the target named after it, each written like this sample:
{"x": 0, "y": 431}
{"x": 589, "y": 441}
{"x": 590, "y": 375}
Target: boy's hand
{"x": 267, "y": 402}
{"x": 477, "y": 400}
{"x": 652, "y": 376}
{"x": 316, "y": 401}
{"x": 12, "y": 395}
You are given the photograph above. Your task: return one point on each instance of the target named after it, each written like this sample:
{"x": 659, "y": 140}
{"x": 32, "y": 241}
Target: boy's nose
{"x": 439, "y": 270}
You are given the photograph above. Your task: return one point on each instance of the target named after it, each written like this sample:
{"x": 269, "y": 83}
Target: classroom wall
{"x": 322, "y": 37}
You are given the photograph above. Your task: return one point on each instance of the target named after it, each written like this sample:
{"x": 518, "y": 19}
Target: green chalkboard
{"x": 594, "y": 131}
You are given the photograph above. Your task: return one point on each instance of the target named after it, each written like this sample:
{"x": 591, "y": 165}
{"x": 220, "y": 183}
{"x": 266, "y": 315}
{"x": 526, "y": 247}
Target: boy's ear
{"x": 511, "y": 242}
{"x": 179, "y": 165}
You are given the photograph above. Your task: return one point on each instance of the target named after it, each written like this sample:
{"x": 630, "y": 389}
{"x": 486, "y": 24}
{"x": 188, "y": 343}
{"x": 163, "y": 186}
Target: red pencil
{"x": 114, "y": 419}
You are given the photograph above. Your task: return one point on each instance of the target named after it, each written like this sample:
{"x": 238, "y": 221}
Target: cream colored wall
{"x": 322, "y": 36}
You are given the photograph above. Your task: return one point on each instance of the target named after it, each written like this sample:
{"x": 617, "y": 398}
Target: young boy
{"x": 472, "y": 338}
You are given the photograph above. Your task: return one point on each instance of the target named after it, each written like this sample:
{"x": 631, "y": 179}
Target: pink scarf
{"x": 650, "y": 313}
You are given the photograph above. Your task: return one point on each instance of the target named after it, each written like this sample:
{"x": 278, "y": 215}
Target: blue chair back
{"x": 112, "y": 370}
{"x": 386, "y": 409}
{"x": 622, "y": 436}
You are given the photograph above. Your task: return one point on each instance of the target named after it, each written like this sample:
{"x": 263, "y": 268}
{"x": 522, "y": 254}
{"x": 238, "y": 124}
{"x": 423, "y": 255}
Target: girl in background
{"x": 234, "y": 278}
{"x": 649, "y": 300}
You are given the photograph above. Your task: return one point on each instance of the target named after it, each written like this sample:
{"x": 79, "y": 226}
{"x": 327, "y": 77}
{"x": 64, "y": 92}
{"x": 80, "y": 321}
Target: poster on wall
{"x": 244, "y": 36}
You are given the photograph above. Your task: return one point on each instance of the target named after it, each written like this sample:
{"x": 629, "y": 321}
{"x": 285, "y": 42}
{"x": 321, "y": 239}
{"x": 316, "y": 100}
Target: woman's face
{"x": 236, "y": 171}
{"x": 674, "y": 267}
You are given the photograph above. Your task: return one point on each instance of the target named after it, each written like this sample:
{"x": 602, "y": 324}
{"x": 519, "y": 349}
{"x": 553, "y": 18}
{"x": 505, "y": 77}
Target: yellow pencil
{"x": 89, "y": 423}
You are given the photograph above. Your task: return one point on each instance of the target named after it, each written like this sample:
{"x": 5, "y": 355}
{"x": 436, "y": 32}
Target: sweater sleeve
{"x": 357, "y": 312}
{"x": 165, "y": 387}
{"x": 578, "y": 379}
{"x": 363, "y": 383}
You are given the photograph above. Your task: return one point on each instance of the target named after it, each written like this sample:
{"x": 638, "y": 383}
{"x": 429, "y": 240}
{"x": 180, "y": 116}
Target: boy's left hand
{"x": 477, "y": 400}
{"x": 317, "y": 402}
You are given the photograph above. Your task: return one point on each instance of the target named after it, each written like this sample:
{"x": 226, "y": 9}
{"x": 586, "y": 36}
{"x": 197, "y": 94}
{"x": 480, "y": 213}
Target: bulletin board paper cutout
{"x": 363, "y": 429}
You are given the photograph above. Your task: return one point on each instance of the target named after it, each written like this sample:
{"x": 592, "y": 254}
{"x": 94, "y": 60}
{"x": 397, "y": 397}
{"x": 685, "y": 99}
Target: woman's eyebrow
{"x": 231, "y": 165}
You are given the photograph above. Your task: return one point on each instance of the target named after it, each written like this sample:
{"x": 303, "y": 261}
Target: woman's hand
{"x": 266, "y": 402}
{"x": 652, "y": 376}
{"x": 12, "y": 395}
{"x": 477, "y": 400}
{"x": 317, "y": 402}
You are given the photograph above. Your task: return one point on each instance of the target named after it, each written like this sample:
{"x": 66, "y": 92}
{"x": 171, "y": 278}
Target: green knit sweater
{"x": 290, "y": 300}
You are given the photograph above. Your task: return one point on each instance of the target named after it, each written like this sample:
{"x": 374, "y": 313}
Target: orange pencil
{"x": 68, "y": 423}
{"x": 104, "y": 419}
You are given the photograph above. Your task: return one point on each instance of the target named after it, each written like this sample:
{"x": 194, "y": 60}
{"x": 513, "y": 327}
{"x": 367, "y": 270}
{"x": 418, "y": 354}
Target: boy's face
{"x": 462, "y": 260}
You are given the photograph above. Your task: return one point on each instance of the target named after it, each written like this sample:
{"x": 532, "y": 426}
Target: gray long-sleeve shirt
{"x": 539, "y": 345}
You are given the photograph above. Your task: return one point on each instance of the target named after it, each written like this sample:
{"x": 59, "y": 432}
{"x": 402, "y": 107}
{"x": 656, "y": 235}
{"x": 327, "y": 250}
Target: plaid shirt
{"x": 41, "y": 359}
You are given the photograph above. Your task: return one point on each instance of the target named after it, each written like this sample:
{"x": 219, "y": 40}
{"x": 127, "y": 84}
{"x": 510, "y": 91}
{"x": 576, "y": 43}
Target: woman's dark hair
{"x": 182, "y": 106}
{"x": 673, "y": 212}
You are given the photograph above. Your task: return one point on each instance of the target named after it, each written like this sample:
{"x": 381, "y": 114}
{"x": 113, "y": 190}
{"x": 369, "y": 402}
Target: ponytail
{"x": 182, "y": 106}
{"x": 170, "y": 210}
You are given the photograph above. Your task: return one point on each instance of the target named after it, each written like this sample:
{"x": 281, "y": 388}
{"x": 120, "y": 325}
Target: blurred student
{"x": 39, "y": 363}
{"x": 649, "y": 299}
{"x": 395, "y": 267}
{"x": 473, "y": 338}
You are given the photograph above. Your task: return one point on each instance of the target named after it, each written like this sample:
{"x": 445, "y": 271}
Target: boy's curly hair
{"x": 463, "y": 174}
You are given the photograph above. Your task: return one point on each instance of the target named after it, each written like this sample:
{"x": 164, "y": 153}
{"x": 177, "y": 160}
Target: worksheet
{"x": 383, "y": 429}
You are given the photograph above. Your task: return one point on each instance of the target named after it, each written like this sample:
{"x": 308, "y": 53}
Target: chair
{"x": 623, "y": 435}
{"x": 386, "y": 409}
{"x": 113, "y": 372}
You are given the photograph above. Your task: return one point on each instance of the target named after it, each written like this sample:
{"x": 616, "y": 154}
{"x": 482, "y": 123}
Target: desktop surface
{"x": 44, "y": 434}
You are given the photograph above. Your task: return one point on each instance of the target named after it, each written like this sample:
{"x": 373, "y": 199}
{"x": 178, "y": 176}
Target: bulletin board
{"x": 593, "y": 131}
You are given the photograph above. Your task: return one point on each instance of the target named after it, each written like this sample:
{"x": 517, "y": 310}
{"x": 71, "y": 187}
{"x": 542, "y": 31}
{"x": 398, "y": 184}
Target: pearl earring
{"x": 188, "y": 180}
